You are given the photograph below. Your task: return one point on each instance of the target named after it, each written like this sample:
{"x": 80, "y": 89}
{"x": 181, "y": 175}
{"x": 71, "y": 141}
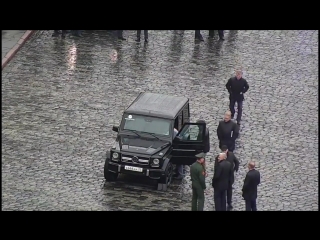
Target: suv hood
{"x": 142, "y": 146}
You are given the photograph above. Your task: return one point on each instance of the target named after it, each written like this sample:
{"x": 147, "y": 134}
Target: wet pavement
{"x": 60, "y": 99}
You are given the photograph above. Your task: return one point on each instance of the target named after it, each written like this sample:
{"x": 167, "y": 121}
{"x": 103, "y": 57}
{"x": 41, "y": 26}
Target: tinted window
{"x": 192, "y": 133}
{"x": 147, "y": 124}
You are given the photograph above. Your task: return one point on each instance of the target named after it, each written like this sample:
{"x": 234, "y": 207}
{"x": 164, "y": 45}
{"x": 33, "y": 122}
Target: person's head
{"x": 224, "y": 149}
{"x": 251, "y": 165}
{"x": 201, "y": 157}
{"x": 238, "y": 74}
{"x": 201, "y": 121}
{"x": 222, "y": 156}
{"x": 227, "y": 116}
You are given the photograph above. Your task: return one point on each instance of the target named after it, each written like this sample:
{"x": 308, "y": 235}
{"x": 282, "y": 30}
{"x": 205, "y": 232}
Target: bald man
{"x": 228, "y": 132}
{"x": 250, "y": 187}
{"x": 237, "y": 86}
{"x": 220, "y": 182}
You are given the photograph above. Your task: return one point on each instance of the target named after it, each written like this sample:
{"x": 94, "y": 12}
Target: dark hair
{"x": 201, "y": 121}
{"x": 224, "y": 148}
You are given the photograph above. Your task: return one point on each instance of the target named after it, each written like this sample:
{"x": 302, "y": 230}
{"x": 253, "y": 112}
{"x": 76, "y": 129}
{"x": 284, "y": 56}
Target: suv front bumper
{"x": 147, "y": 172}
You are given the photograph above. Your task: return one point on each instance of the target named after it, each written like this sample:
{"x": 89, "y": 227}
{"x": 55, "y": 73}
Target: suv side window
{"x": 180, "y": 121}
{"x": 186, "y": 114}
{"x": 192, "y": 133}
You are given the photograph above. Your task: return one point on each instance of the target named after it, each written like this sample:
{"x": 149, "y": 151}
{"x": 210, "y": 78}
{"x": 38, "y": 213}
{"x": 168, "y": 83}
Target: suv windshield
{"x": 153, "y": 125}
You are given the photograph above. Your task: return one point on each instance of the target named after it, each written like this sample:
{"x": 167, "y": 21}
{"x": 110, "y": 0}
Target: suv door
{"x": 189, "y": 141}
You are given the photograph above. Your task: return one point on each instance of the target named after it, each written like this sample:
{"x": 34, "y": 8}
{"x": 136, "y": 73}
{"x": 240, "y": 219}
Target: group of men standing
{"x": 226, "y": 163}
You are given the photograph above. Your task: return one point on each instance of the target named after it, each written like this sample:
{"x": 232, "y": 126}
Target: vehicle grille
{"x": 141, "y": 160}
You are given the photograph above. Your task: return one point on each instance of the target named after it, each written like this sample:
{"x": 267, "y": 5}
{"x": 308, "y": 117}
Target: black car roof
{"x": 157, "y": 105}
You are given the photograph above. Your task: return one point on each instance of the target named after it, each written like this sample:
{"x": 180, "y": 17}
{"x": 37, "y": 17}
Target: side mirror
{"x": 115, "y": 128}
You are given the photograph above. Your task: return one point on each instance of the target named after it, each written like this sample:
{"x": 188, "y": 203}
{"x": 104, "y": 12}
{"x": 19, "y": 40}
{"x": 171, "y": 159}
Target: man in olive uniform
{"x": 198, "y": 183}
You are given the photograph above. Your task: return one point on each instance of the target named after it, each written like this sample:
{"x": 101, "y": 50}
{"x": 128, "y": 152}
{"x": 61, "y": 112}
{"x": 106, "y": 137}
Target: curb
{"x": 16, "y": 47}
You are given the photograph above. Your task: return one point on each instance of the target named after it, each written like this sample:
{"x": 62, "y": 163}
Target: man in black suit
{"x": 220, "y": 181}
{"x": 227, "y": 132}
{"x": 250, "y": 187}
{"x": 235, "y": 165}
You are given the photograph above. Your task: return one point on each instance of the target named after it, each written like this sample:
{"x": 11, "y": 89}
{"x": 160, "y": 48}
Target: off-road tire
{"x": 109, "y": 176}
{"x": 166, "y": 181}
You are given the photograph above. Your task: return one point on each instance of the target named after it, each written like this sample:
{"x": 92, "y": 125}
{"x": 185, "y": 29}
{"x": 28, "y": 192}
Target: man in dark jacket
{"x": 236, "y": 87}
{"x": 250, "y": 187}
{"x": 227, "y": 132}
{"x": 220, "y": 181}
{"x": 198, "y": 183}
{"x": 235, "y": 164}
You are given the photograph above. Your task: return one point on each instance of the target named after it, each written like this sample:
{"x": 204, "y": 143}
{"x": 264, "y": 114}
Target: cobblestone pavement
{"x": 9, "y": 39}
{"x": 60, "y": 99}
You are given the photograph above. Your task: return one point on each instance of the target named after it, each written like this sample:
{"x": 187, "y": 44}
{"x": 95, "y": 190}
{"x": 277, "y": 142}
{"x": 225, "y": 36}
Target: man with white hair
{"x": 220, "y": 182}
{"x": 237, "y": 86}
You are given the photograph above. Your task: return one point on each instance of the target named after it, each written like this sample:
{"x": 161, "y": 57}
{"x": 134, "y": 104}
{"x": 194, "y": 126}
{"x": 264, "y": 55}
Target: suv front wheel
{"x": 165, "y": 181}
{"x": 109, "y": 176}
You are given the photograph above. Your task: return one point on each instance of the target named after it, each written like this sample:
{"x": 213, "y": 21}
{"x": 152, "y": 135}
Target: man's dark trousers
{"x": 197, "y": 34}
{"x": 251, "y": 205}
{"x": 229, "y": 195}
{"x": 145, "y": 32}
{"x": 220, "y": 200}
{"x": 231, "y": 106}
{"x": 220, "y": 32}
{"x": 120, "y": 33}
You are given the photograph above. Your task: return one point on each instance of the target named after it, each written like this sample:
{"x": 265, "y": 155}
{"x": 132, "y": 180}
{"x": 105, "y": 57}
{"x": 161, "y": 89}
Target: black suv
{"x": 145, "y": 143}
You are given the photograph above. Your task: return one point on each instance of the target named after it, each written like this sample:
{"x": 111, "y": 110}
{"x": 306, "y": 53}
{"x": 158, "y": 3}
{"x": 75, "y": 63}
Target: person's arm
{"x": 202, "y": 180}
{"x": 246, "y": 183}
{"x": 219, "y": 134}
{"x": 246, "y": 86}
{"x": 235, "y": 130}
{"x": 236, "y": 163}
{"x": 258, "y": 178}
{"x": 228, "y": 86}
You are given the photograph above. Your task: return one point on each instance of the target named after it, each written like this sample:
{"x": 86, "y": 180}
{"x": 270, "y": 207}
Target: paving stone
{"x": 60, "y": 99}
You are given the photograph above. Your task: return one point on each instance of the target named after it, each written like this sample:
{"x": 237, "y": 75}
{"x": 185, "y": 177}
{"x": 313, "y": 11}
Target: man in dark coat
{"x": 235, "y": 164}
{"x": 237, "y": 86}
{"x": 220, "y": 33}
{"x": 250, "y": 187}
{"x": 145, "y": 32}
{"x": 220, "y": 182}
{"x": 198, "y": 183}
{"x": 227, "y": 132}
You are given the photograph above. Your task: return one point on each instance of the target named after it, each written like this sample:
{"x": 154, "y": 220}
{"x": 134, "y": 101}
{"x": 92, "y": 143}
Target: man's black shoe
{"x": 138, "y": 40}
{"x": 221, "y": 39}
{"x": 121, "y": 38}
{"x": 229, "y": 207}
{"x": 146, "y": 40}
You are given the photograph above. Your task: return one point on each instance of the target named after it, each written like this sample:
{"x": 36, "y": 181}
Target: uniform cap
{"x": 201, "y": 155}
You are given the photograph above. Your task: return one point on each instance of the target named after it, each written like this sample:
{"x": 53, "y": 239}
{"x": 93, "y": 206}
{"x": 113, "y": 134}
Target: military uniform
{"x": 198, "y": 184}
